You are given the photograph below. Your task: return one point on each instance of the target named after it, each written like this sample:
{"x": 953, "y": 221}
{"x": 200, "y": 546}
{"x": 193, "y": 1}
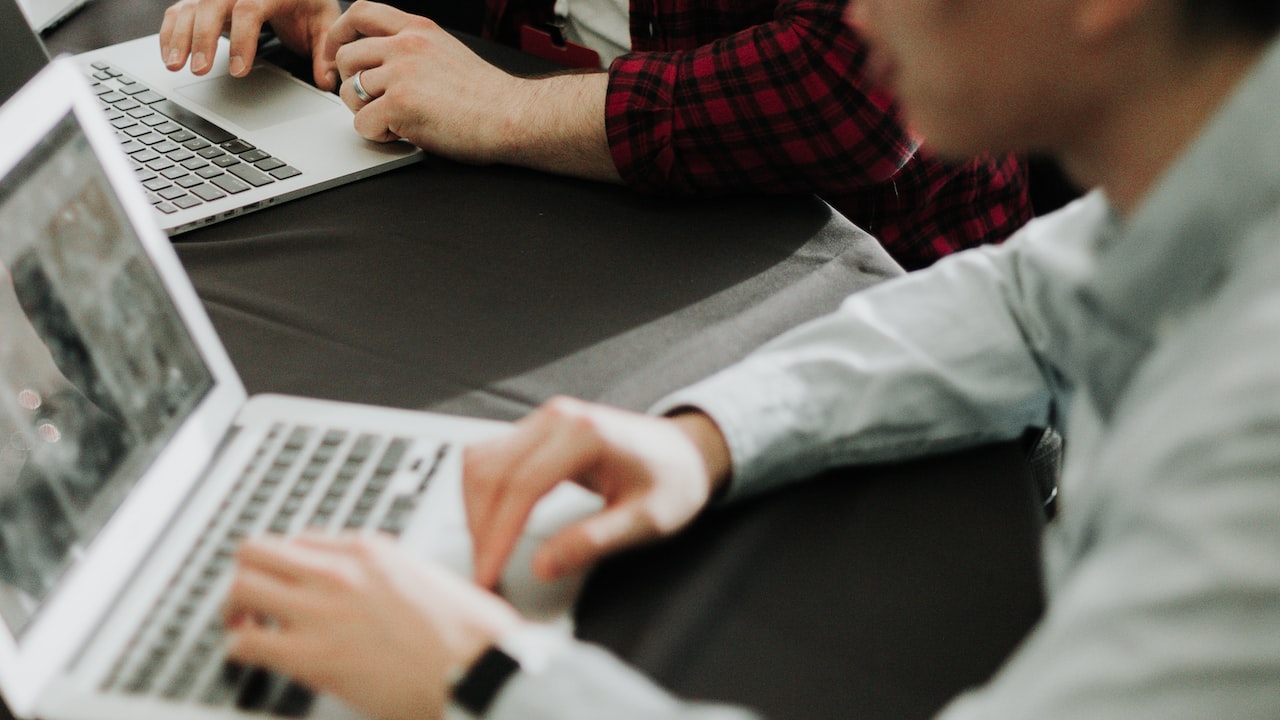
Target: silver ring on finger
{"x": 359, "y": 88}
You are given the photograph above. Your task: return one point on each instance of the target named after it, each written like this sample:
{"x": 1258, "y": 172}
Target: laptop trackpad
{"x": 260, "y": 99}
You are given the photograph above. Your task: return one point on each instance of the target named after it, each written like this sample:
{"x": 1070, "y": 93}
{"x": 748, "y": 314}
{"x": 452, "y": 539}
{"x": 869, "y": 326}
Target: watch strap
{"x": 480, "y": 684}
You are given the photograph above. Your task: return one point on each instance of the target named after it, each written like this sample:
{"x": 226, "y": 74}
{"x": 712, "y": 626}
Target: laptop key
{"x": 146, "y": 97}
{"x": 230, "y": 184}
{"x": 213, "y": 133}
{"x": 286, "y": 172}
{"x": 250, "y": 174}
{"x": 236, "y": 146}
{"x": 208, "y": 193}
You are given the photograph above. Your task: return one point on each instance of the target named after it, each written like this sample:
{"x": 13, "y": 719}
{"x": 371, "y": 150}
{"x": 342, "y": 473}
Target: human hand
{"x": 654, "y": 475}
{"x": 191, "y": 29}
{"x": 427, "y": 87}
{"x": 359, "y": 618}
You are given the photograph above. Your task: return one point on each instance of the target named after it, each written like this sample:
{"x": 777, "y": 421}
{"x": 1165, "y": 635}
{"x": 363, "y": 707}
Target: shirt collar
{"x": 1153, "y": 267}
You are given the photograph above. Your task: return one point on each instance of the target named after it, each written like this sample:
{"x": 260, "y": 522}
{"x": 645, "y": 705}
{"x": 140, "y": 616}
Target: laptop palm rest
{"x": 261, "y": 99}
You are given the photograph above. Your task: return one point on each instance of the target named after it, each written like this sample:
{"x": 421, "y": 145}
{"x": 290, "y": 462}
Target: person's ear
{"x": 1099, "y": 19}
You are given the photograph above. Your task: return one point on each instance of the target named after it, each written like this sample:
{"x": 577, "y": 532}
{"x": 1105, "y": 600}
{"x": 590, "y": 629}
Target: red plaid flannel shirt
{"x": 722, "y": 96}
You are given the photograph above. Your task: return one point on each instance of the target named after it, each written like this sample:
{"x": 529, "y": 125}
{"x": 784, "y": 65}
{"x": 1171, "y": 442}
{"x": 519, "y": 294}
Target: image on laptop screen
{"x": 96, "y": 369}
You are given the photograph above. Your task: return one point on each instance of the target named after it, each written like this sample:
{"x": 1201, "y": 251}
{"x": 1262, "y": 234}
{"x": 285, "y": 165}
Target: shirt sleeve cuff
{"x": 758, "y": 412}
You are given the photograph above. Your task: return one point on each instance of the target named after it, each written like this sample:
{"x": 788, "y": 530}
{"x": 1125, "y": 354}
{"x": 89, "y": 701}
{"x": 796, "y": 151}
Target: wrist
{"x": 705, "y": 435}
{"x": 526, "y": 648}
{"x": 556, "y": 123}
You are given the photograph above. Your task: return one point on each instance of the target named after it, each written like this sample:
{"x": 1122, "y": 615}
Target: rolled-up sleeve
{"x": 778, "y": 107}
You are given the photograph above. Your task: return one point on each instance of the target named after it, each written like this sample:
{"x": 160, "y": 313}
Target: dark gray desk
{"x": 874, "y": 592}
{"x": 484, "y": 290}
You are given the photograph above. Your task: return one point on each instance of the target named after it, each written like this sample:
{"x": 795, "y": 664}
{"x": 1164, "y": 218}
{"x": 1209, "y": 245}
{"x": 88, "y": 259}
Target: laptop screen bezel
{"x": 90, "y": 587}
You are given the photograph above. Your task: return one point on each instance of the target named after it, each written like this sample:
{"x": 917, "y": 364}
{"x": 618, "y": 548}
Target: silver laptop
{"x": 132, "y": 462}
{"x": 212, "y": 147}
{"x": 44, "y": 14}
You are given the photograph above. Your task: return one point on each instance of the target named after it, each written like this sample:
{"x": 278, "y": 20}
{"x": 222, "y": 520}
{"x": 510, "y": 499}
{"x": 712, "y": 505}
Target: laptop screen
{"x": 97, "y": 371}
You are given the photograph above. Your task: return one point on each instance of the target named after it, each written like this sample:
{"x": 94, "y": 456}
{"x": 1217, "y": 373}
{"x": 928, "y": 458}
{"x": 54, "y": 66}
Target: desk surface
{"x": 874, "y": 592}
{"x": 484, "y": 290}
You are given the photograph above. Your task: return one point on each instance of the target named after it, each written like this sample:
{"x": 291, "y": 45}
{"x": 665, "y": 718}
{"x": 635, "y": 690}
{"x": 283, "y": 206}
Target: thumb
{"x": 576, "y": 548}
{"x": 325, "y": 71}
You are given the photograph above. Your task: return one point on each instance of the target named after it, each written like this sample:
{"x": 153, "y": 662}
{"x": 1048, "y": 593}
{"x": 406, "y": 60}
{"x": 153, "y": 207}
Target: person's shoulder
{"x": 1059, "y": 247}
{"x": 1256, "y": 259}
{"x": 1079, "y": 219}
{"x": 1228, "y": 343}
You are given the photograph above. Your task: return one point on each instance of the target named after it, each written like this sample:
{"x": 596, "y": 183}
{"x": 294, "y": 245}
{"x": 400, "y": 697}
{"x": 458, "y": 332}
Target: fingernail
{"x": 172, "y": 58}
{"x": 198, "y": 62}
{"x": 237, "y": 65}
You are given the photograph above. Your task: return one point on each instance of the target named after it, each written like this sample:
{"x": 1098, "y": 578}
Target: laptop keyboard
{"x": 299, "y": 477}
{"x": 182, "y": 159}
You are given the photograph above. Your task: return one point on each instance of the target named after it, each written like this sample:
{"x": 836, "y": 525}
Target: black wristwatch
{"x": 480, "y": 684}
{"x": 528, "y": 650}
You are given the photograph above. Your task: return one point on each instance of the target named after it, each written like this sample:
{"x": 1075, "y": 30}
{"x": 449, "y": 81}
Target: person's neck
{"x": 1150, "y": 123}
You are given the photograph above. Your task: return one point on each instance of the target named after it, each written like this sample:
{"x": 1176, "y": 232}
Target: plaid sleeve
{"x": 771, "y": 96}
{"x": 934, "y": 208}
{"x": 778, "y": 107}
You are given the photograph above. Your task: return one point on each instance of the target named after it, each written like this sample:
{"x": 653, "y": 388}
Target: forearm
{"x": 702, "y": 430}
{"x": 937, "y": 360}
{"x": 556, "y": 124}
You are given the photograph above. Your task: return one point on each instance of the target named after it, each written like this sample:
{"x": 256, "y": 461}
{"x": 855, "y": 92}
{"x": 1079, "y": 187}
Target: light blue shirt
{"x": 1153, "y": 343}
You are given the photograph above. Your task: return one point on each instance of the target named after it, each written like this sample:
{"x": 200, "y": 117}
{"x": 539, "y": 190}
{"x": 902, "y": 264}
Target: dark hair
{"x": 1259, "y": 18}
